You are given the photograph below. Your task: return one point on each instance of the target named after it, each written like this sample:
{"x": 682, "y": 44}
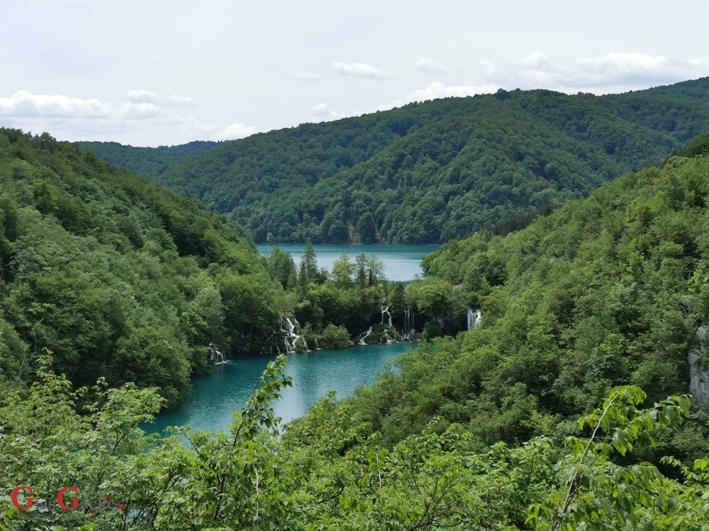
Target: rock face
{"x": 698, "y": 373}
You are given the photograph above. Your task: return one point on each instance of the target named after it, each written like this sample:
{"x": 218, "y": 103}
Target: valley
{"x": 543, "y": 348}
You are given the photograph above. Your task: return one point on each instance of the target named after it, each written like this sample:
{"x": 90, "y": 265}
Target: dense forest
{"x": 121, "y": 278}
{"x": 534, "y": 419}
{"x": 604, "y": 291}
{"x": 126, "y": 280}
{"x": 428, "y": 172}
{"x": 148, "y": 161}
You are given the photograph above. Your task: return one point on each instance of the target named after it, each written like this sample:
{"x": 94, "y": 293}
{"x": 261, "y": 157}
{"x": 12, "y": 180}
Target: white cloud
{"x": 139, "y": 111}
{"x": 612, "y": 72}
{"x": 142, "y": 96}
{"x": 358, "y": 70}
{"x": 617, "y": 68}
{"x": 426, "y": 65}
{"x": 307, "y": 76}
{"x": 234, "y": 132}
{"x": 23, "y": 104}
{"x": 81, "y": 118}
{"x": 322, "y": 112}
{"x": 148, "y": 96}
{"x": 439, "y": 90}
{"x": 179, "y": 101}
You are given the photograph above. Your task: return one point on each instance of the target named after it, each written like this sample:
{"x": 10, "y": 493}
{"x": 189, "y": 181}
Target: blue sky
{"x": 158, "y": 72}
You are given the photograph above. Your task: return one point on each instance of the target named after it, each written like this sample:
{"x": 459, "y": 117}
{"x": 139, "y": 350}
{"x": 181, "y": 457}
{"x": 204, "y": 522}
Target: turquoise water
{"x": 210, "y": 404}
{"x": 401, "y": 262}
{"x": 213, "y": 398}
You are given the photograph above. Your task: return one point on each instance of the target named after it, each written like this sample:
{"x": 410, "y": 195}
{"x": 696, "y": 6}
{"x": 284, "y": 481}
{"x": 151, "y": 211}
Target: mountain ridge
{"x": 427, "y": 172}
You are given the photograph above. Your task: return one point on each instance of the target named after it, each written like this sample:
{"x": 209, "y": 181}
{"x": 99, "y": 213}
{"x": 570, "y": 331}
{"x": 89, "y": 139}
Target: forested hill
{"x": 149, "y": 162}
{"x": 117, "y": 276}
{"x": 605, "y": 291}
{"x": 427, "y": 172}
{"x": 513, "y": 425}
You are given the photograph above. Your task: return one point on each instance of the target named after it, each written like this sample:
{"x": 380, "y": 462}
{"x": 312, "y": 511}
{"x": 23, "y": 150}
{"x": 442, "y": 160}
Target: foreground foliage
{"x": 326, "y": 474}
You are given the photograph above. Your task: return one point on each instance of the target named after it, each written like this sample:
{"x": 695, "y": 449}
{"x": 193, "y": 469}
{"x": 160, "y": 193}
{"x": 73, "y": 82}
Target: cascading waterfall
{"x": 475, "y": 319}
{"x": 364, "y": 336}
{"x": 291, "y": 336}
{"x": 409, "y": 325}
{"x": 386, "y": 336}
{"x": 317, "y": 345}
{"x": 214, "y": 354}
{"x": 385, "y": 310}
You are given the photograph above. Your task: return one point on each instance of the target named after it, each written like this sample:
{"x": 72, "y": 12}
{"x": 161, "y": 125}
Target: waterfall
{"x": 291, "y": 336}
{"x": 475, "y": 319}
{"x": 409, "y": 325}
{"x": 364, "y": 336}
{"x": 317, "y": 345}
{"x": 276, "y": 334}
{"x": 385, "y": 310}
{"x": 386, "y": 336}
{"x": 285, "y": 339}
{"x": 214, "y": 354}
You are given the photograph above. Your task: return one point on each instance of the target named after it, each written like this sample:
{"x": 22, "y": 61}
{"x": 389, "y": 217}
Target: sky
{"x": 165, "y": 72}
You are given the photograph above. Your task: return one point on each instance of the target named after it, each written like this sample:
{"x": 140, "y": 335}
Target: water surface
{"x": 401, "y": 262}
{"x": 210, "y": 404}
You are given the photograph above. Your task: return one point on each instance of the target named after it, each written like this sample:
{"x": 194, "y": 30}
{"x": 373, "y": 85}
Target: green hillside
{"x": 609, "y": 290}
{"x": 427, "y": 172}
{"x": 147, "y": 161}
{"x": 532, "y": 420}
{"x": 119, "y": 277}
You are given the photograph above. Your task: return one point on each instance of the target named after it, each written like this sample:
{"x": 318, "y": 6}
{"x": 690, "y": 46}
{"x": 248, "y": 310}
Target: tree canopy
{"x": 608, "y": 290}
{"x": 536, "y": 419}
{"x": 123, "y": 279}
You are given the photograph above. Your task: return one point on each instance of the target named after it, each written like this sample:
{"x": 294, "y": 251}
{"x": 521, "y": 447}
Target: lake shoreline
{"x": 226, "y": 388}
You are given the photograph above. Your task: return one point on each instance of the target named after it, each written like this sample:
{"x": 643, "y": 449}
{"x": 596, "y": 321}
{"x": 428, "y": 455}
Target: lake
{"x": 401, "y": 262}
{"x": 210, "y": 404}
{"x": 213, "y": 398}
